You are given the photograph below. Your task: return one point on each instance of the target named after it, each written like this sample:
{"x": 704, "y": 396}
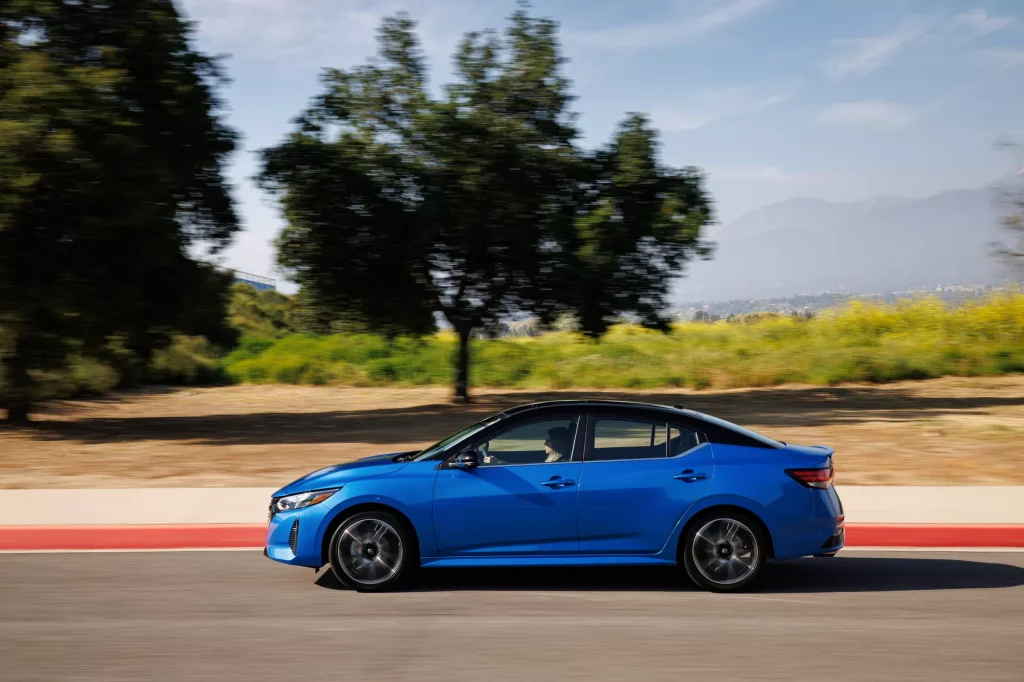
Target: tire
{"x": 373, "y": 551}
{"x": 724, "y": 551}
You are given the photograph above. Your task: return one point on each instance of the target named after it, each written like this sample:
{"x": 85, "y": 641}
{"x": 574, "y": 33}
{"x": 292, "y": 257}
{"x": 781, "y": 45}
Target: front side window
{"x": 629, "y": 439}
{"x": 539, "y": 442}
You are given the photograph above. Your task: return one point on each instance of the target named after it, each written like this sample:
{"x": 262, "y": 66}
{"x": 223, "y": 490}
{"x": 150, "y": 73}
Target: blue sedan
{"x": 567, "y": 483}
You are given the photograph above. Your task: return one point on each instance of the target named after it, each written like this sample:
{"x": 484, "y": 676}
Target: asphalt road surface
{"x": 200, "y": 616}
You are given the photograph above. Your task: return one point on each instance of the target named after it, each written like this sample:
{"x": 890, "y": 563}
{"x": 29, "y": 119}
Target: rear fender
{"x": 705, "y": 503}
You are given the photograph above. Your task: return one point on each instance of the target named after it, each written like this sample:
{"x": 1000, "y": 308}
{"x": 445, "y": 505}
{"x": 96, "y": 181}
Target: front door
{"x": 520, "y": 500}
{"x": 639, "y": 477}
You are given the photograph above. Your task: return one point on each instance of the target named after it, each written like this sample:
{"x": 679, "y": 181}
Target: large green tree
{"x": 111, "y": 174}
{"x": 476, "y": 205}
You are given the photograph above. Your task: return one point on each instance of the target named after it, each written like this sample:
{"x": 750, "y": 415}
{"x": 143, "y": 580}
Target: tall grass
{"x": 866, "y": 342}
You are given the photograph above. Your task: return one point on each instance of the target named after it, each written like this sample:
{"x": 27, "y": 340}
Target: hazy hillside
{"x": 888, "y": 243}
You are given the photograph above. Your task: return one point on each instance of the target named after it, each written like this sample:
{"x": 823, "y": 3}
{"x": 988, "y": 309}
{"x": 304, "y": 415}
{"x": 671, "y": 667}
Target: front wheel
{"x": 724, "y": 551}
{"x": 372, "y": 552}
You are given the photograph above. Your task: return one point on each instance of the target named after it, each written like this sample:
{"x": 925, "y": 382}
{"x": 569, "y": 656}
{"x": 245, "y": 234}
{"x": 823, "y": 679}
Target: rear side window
{"x": 681, "y": 439}
{"x": 727, "y": 433}
{"x": 629, "y": 439}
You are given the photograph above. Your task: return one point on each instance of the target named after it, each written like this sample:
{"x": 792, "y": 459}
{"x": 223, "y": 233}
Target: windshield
{"x": 738, "y": 429}
{"x": 454, "y": 438}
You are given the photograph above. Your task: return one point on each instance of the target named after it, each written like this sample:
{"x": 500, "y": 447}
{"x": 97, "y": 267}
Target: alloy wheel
{"x": 370, "y": 551}
{"x": 725, "y": 551}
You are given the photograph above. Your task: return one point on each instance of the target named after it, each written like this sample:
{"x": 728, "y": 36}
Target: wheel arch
{"x": 348, "y": 512}
{"x": 719, "y": 508}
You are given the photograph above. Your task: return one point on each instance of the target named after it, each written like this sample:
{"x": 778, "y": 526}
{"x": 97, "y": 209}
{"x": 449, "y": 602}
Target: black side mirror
{"x": 470, "y": 459}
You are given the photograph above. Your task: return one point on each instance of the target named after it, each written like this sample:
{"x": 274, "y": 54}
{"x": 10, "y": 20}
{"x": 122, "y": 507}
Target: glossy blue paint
{"x": 339, "y": 474}
{"x": 542, "y": 560}
{"x": 632, "y": 506}
{"x": 629, "y": 512}
{"x": 499, "y": 510}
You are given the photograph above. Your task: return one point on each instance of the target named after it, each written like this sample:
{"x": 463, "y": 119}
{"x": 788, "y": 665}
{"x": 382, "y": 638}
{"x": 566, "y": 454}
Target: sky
{"x": 840, "y": 100}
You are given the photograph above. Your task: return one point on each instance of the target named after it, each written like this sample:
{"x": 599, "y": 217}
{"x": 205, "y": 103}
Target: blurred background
{"x": 240, "y": 239}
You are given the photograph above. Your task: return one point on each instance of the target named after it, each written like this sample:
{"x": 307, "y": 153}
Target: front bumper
{"x": 296, "y": 537}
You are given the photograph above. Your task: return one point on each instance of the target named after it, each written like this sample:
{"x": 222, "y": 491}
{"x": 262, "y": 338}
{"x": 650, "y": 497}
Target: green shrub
{"x": 187, "y": 360}
{"x": 862, "y": 342}
{"x": 865, "y": 342}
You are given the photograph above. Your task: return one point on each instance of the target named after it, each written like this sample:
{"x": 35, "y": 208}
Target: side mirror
{"x": 470, "y": 459}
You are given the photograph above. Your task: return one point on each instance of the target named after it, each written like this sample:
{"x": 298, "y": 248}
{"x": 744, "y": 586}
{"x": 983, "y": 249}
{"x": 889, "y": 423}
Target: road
{"x": 196, "y": 616}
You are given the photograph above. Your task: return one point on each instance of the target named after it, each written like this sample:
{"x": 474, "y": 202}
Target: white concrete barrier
{"x": 120, "y": 506}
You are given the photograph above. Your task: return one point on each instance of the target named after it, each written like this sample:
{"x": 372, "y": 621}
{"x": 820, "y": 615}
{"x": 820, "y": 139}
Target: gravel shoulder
{"x": 951, "y": 431}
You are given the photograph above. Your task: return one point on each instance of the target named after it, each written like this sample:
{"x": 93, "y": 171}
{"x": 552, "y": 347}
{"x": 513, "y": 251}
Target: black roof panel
{"x": 583, "y": 403}
{"x": 716, "y": 429}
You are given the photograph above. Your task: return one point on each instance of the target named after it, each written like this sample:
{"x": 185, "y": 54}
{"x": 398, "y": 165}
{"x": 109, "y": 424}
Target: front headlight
{"x": 302, "y": 500}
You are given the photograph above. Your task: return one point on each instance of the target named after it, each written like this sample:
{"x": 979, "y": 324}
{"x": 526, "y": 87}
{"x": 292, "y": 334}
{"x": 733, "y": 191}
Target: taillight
{"x": 812, "y": 478}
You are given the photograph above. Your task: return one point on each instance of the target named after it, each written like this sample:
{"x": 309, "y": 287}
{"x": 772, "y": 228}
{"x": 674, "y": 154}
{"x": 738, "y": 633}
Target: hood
{"x": 809, "y": 455}
{"x": 337, "y": 475}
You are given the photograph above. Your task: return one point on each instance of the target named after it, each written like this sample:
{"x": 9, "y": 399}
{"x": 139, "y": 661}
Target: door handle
{"x": 558, "y": 483}
{"x": 690, "y": 476}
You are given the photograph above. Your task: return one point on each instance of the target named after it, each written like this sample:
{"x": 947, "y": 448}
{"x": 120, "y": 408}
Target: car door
{"x": 640, "y": 474}
{"x": 521, "y": 499}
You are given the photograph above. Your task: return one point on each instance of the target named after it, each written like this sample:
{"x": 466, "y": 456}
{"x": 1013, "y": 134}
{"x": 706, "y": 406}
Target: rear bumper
{"x": 822, "y": 532}
{"x": 833, "y": 543}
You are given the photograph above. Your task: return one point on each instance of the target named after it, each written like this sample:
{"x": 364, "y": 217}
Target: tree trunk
{"x": 462, "y": 366}
{"x": 17, "y": 397}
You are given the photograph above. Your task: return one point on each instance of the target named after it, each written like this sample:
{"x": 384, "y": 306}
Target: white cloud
{"x": 1001, "y": 59}
{"x": 709, "y": 106}
{"x": 671, "y": 31}
{"x": 267, "y": 30}
{"x": 869, "y": 114}
{"x": 675, "y": 121}
{"x": 980, "y": 22}
{"x": 754, "y": 173}
{"x": 863, "y": 55}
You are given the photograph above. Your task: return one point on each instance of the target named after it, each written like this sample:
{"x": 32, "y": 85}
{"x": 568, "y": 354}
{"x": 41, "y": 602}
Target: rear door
{"x": 640, "y": 475}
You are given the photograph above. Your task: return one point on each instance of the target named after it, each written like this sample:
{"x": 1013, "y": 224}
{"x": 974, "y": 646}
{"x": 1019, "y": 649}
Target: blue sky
{"x": 840, "y": 100}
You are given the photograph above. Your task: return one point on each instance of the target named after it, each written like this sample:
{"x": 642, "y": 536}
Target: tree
{"x": 267, "y": 314}
{"x": 1013, "y": 222}
{"x": 638, "y": 223}
{"x": 1012, "y": 201}
{"x": 705, "y": 316}
{"x": 111, "y": 174}
{"x": 476, "y": 206}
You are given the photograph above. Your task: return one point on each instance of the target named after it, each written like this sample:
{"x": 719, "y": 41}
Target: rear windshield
{"x": 754, "y": 435}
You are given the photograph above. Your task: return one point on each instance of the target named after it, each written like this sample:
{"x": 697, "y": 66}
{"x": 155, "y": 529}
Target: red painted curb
{"x": 218, "y": 536}
{"x": 184, "y": 536}
{"x": 934, "y": 535}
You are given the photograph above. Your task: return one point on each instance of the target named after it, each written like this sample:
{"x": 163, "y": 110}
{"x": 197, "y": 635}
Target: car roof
{"x": 519, "y": 409}
{"x": 723, "y": 431}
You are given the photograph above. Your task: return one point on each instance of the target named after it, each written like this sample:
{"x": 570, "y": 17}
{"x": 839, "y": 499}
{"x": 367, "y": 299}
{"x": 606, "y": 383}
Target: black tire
{"x": 730, "y": 564}
{"x": 367, "y": 564}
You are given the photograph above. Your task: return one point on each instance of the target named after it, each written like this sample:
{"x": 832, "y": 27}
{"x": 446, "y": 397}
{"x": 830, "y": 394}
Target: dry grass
{"x": 950, "y": 431}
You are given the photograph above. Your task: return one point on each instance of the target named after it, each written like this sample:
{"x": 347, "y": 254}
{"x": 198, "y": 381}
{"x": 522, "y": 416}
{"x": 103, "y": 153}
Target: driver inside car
{"x": 558, "y": 445}
{"x": 557, "y": 448}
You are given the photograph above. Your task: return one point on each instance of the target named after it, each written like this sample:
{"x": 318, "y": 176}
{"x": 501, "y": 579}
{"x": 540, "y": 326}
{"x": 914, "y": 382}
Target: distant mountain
{"x": 806, "y": 246}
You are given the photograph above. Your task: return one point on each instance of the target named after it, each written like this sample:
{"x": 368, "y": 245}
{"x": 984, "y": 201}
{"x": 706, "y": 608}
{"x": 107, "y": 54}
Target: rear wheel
{"x": 724, "y": 551}
{"x": 372, "y": 552}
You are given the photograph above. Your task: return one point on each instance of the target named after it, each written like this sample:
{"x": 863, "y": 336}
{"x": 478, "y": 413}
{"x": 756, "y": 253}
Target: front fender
{"x": 409, "y": 491}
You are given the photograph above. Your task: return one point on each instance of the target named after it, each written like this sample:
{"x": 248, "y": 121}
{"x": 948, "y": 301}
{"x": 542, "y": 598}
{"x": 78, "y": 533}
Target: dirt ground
{"x": 951, "y": 431}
